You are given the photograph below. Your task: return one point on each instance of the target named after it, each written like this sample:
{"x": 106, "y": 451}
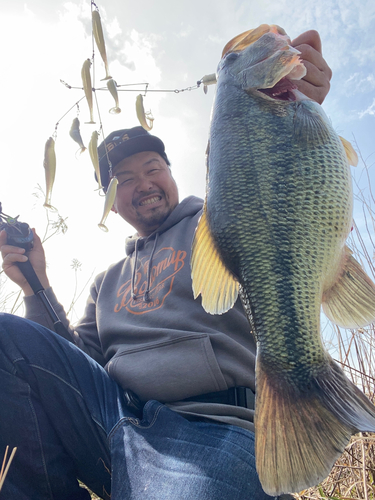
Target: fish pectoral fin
{"x": 350, "y": 302}
{"x": 310, "y": 126}
{"x": 349, "y": 151}
{"x": 301, "y": 431}
{"x": 211, "y": 279}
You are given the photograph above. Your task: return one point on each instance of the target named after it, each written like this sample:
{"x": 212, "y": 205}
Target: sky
{"x": 169, "y": 45}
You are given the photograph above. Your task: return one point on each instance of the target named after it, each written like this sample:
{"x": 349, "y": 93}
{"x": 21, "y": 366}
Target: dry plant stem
{"x": 364, "y": 470}
{"x": 4, "y": 460}
{"x": 3, "y": 472}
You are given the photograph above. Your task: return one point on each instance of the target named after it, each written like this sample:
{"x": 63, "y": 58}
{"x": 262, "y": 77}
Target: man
{"x": 190, "y": 435}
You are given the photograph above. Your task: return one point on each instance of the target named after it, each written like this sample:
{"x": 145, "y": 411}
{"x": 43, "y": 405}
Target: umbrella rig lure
{"x": 145, "y": 118}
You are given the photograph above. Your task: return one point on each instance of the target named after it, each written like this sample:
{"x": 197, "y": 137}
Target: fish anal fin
{"x": 349, "y": 151}
{"x": 211, "y": 279}
{"x": 301, "y": 433}
{"x": 350, "y": 302}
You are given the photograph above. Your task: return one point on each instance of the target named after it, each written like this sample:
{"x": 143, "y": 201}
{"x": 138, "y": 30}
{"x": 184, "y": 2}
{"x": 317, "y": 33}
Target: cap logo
{"x": 116, "y": 142}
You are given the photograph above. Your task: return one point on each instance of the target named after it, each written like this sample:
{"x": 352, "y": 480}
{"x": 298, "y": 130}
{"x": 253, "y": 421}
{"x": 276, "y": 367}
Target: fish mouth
{"x": 282, "y": 91}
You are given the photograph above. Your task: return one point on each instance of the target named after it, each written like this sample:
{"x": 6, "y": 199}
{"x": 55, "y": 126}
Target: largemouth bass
{"x": 277, "y": 212}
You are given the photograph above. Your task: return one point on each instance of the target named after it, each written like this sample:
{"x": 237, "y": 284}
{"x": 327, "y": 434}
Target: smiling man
{"x": 146, "y": 192}
{"x": 70, "y": 407}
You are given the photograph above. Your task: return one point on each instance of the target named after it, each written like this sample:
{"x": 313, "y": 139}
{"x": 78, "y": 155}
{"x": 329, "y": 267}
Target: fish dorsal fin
{"x": 349, "y": 151}
{"x": 211, "y": 279}
{"x": 350, "y": 302}
{"x": 310, "y": 125}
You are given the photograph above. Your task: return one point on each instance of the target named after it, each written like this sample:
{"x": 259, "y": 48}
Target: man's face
{"x": 146, "y": 191}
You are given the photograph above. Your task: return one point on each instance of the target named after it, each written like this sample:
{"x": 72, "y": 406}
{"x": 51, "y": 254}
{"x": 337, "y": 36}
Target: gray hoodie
{"x": 143, "y": 325}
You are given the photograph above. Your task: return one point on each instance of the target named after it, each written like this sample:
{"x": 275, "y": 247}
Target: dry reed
{"x": 5, "y": 465}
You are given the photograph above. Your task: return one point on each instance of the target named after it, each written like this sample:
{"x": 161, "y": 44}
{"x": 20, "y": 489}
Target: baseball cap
{"x": 123, "y": 143}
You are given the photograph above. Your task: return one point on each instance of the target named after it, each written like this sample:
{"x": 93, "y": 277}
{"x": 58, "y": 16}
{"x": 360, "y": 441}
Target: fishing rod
{"x": 20, "y": 235}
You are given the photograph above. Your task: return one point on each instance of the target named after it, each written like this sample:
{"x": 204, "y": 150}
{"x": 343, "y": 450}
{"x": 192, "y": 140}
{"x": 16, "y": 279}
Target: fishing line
{"x": 75, "y": 104}
{"x": 175, "y": 91}
{"x": 93, "y": 49}
{"x": 101, "y": 129}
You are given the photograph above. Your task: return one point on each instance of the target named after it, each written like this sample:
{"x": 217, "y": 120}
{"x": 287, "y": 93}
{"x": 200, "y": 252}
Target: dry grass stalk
{"x": 5, "y": 466}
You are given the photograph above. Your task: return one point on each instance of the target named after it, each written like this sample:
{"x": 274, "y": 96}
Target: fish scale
{"x": 278, "y": 210}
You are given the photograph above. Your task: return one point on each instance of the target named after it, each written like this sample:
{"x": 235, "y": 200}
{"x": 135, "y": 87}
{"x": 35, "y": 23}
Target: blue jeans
{"x": 69, "y": 420}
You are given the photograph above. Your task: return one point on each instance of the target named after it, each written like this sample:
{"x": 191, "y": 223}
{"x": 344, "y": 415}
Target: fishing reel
{"x": 19, "y": 233}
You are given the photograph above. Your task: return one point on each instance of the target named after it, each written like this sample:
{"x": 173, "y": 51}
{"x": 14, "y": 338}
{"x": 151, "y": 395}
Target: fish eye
{"x": 232, "y": 56}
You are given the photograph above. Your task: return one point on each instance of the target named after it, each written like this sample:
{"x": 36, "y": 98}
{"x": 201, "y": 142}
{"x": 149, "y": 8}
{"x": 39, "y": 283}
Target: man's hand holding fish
{"x": 316, "y": 83}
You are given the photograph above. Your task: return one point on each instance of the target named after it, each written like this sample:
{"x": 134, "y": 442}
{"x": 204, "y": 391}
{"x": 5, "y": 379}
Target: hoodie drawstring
{"x": 134, "y": 269}
{"x": 146, "y": 297}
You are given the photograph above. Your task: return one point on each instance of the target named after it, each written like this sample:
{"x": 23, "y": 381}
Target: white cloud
{"x": 114, "y": 28}
{"x": 185, "y": 31}
{"x": 369, "y": 111}
{"x": 359, "y": 82}
{"x": 216, "y": 39}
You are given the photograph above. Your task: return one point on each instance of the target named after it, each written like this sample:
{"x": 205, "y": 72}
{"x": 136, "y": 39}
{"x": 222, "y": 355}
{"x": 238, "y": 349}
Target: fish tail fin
{"x": 301, "y": 433}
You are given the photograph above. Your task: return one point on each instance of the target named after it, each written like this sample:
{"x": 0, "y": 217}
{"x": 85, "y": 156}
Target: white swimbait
{"x": 93, "y": 150}
{"x": 112, "y": 87}
{"x": 50, "y": 170}
{"x": 99, "y": 39}
{"x": 109, "y": 201}
{"x": 87, "y": 86}
{"x": 75, "y": 134}
{"x": 142, "y": 116}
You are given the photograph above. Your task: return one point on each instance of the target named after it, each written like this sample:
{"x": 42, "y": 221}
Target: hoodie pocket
{"x": 169, "y": 371}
